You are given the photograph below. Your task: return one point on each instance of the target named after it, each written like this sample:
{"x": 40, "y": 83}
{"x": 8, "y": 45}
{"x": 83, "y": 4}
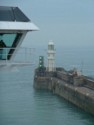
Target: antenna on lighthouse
{"x": 51, "y": 57}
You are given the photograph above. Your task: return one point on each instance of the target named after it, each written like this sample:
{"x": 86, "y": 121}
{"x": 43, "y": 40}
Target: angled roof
{"x": 16, "y": 20}
{"x": 12, "y": 14}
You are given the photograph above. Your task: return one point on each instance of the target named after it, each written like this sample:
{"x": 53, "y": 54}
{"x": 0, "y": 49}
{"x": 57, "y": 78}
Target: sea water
{"x": 21, "y": 104}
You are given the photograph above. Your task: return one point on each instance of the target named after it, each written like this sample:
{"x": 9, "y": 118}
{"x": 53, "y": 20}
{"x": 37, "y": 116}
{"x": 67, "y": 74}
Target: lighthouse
{"x": 51, "y": 57}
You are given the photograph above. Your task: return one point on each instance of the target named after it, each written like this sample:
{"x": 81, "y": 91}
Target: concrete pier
{"x": 72, "y": 88}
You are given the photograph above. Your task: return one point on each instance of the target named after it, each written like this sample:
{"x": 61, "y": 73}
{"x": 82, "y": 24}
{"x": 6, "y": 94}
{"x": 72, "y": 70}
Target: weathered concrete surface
{"x": 80, "y": 96}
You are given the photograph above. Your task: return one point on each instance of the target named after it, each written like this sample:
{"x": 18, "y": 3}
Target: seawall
{"x": 81, "y": 96}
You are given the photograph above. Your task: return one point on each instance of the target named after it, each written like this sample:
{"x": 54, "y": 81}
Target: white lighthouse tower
{"x": 51, "y": 57}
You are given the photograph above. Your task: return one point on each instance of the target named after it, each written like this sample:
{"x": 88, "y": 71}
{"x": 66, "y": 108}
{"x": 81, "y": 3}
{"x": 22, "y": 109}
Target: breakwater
{"x": 79, "y": 90}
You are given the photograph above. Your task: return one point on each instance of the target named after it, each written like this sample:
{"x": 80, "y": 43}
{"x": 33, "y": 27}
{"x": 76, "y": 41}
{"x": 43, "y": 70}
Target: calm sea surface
{"x": 20, "y": 104}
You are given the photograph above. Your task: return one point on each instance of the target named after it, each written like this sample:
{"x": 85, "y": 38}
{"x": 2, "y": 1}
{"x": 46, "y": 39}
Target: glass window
{"x": 8, "y": 42}
{"x": 51, "y": 47}
{"x": 8, "y": 39}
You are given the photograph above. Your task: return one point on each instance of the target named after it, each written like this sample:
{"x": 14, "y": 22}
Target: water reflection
{"x": 21, "y": 104}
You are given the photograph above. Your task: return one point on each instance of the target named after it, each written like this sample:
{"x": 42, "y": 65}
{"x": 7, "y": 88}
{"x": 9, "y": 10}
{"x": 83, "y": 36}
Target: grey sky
{"x": 66, "y": 22}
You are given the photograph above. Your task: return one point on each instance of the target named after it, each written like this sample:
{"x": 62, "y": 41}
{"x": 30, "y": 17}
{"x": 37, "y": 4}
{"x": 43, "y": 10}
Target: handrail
{"x": 23, "y": 55}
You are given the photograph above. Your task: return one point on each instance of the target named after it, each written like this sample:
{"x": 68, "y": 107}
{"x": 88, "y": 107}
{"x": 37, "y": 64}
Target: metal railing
{"x": 17, "y": 56}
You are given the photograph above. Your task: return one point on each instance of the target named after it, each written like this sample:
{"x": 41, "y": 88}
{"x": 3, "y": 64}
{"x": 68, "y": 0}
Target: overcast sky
{"x": 66, "y": 22}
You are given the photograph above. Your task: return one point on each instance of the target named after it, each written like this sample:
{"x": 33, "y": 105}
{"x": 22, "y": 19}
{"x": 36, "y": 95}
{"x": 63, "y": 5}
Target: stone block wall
{"x": 69, "y": 92}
